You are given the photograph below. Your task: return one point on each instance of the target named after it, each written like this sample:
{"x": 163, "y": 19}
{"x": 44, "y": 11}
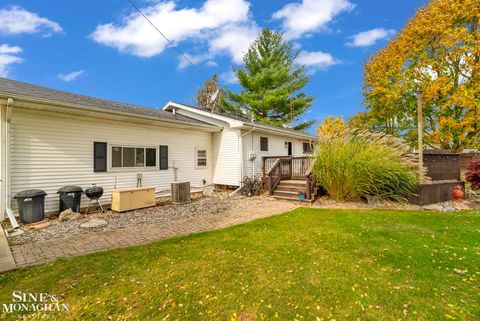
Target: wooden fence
{"x": 443, "y": 168}
{"x": 442, "y": 165}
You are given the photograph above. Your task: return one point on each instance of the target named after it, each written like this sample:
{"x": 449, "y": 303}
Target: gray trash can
{"x": 31, "y": 205}
{"x": 70, "y": 197}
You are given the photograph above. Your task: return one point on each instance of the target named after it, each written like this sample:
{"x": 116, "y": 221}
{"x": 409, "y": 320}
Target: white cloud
{"x": 316, "y": 59}
{"x": 16, "y": 20}
{"x": 235, "y": 40}
{"x": 370, "y": 37}
{"x": 310, "y": 15}
{"x": 71, "y": 76}
{"x": 214, "y": 24}
{"x": 7, "y": 57}
{"x": 229, "y": 77}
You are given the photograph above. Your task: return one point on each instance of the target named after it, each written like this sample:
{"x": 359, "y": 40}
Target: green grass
{"x": 307, "y": 264}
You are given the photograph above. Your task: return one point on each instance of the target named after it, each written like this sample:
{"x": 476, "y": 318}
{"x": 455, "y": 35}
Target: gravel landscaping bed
{"x": 164, "y": 212}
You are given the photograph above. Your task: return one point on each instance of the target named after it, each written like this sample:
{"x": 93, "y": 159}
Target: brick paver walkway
{"x": 41, "y": 252}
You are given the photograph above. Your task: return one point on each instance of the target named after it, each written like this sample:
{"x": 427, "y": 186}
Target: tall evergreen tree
{"x": 270, "y": 82}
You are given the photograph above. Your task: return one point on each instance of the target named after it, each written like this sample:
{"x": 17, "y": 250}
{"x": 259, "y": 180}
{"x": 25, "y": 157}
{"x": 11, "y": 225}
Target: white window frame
{"x": 133, "y": 168}
{"x": 197, "y": 149}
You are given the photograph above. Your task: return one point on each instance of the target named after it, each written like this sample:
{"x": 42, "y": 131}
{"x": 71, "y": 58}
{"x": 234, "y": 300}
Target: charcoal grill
{"x": 94, "y": 193}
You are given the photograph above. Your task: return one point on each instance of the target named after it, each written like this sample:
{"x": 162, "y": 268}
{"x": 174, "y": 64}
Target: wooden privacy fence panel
{"x": 442, "y": 166}
{"x": 435, "y": 192}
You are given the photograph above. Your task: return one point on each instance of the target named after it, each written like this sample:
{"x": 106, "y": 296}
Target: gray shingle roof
{"x": 8, "y": 86}
{"x": 249, "y": 122}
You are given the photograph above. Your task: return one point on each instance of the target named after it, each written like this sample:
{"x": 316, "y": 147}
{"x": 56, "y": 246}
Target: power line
{"x": 168, "y": 40}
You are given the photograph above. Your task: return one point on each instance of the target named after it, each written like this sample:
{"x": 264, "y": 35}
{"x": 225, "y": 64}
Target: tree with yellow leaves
{"x": 438, "y": 55}
{"x": 332, "y": 127}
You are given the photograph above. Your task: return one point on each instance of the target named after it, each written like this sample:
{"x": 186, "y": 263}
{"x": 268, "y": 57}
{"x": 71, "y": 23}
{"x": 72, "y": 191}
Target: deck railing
{"x": 277, "y": 168}
{"x": 292, "y": 167}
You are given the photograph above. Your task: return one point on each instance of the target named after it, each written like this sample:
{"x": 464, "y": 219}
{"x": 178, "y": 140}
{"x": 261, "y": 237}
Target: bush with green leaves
{"x": 473, "y": 173}
{"x": 361, "y": 164}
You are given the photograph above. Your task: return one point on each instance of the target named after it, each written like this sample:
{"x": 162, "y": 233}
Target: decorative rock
{"x": 94, "y": 222}
{"x": 15, "y": 232}
{"x": 460, "y": 206}
{"x": 448, "y": 208}
{"x": 433, "y": 207}
{"x": 68, "y": 215}
{"x": 209, "y": 191}
{"x": 373, "y": 200}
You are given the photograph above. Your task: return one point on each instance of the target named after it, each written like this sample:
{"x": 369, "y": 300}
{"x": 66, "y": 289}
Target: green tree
{"x": 270, "y": 83}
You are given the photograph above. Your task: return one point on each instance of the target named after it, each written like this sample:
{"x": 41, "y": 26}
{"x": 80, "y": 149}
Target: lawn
{"x": 307, "y": 264}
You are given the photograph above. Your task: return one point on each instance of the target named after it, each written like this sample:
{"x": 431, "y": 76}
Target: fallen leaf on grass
{"x": 461, "y": 272}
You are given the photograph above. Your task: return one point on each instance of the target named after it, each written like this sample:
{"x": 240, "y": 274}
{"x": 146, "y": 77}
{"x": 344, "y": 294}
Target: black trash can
{"x": 31, "y": 205}
{"x": 70, "y": 197}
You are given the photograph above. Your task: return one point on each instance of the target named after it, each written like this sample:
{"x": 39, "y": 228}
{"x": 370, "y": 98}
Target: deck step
{"x": 287, "y": 188}
{"x": 292, "y": 183}
{"x": 285, "y": 198}
{"x": 286, "y": 194}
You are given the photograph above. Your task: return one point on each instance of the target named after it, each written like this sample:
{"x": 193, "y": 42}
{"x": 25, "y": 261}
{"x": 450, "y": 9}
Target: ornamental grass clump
{"x": 361, "y": 164}
{"x": 473, "y": 173}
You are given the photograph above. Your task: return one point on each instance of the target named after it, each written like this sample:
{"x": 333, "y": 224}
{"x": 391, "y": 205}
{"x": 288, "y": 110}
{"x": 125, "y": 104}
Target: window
{"x": 307, "y": 148}
{"x": 124, "y": 157}
{"x": 264, "y": 144}
{"x": 201, "y": 158}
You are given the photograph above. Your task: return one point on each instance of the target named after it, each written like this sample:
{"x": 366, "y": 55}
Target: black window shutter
{"x": 163, "y": 161}
{"x": 99, "y": 157}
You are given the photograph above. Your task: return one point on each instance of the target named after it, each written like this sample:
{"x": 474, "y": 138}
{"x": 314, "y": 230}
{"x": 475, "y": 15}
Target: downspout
{"x": 7, "y": 174}
{"x": 240, "y": 148}
{"x": 253, "y": 162}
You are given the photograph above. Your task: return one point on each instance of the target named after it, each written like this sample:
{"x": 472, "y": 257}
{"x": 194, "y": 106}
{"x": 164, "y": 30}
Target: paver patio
{"x": 42, "y": 252}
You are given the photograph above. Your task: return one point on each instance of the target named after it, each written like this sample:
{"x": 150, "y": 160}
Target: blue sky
{"x": 104, "y": 49}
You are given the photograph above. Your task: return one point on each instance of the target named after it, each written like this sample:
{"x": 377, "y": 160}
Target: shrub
{"x": 473, "y": 173}
{"x": 362, "y": 164}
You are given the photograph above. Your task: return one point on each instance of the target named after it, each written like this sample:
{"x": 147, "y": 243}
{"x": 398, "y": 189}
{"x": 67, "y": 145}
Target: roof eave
{"x": 280, "y": 131}
{"x": 103, "y": 110}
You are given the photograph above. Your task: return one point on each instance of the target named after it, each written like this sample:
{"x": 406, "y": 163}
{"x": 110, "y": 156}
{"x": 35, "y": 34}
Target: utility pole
{"x": 291, "y": 110}
{"x": 420, "y": 133}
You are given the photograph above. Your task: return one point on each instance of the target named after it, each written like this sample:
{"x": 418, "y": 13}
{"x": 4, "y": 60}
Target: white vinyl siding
{"x": 227, "y": 157}
{"x": 276, "y": 147}
{"x": 50, "y": 150}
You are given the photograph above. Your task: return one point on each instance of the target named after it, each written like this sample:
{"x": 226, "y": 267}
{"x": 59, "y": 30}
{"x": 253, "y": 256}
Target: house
{"x": 52, "y": 138}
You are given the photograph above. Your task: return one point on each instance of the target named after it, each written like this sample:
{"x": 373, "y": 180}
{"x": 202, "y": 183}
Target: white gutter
{"x": 58, "y": 103}
{"x": 7, "y": 172}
